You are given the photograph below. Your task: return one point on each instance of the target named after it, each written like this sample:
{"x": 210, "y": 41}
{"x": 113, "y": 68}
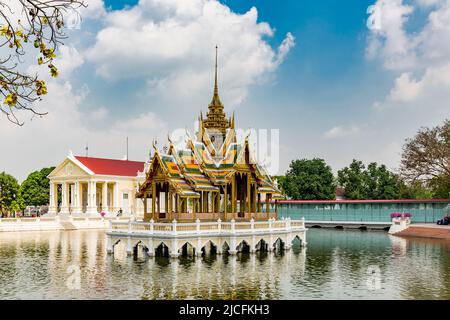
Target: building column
{"x": 116, "y": 197}
{"x": 64, "y": 199}
{"x": 52, "y": 207}
{"x": 105, "y": 197}
{"x": 76, "y": 204}
{"x": 92, "y": 198}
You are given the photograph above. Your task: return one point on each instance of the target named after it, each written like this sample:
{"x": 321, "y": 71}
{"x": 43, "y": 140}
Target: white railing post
{"x": 129, "y": 226}
{"x": 110, "y": 225}
{"x": 219, "y": 225}
{"x": 270, "y": 224}
{"x": 174, "y": 226}
{"x": 252, "y": 224}
{"x": 152, "y": 226}
{"x": 197, "y": 225}
{"x": 303, "y": 222}
{"x": 288, "y": 224}
{"x": 232, "y": 225}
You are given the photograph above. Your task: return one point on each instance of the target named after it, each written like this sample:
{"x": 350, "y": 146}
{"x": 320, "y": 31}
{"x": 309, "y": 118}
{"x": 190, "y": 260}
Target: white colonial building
{"x": 88, "y": 186}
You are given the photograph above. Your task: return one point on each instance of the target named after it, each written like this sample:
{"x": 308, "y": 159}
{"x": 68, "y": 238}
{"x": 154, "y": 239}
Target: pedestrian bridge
{"x": 363, "y": 212}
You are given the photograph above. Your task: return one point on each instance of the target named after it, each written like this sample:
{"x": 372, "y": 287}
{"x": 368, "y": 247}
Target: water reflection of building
{"x": 259, "y": 276}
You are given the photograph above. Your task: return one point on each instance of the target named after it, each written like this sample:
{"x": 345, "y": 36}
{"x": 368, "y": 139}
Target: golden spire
{"x": 216, "y": 89}
{"x": 215, "y": 102}
{"x": 215, "y": 118}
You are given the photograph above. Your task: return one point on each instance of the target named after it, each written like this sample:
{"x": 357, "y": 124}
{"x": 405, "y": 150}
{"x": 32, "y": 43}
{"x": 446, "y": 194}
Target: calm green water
{"x": 335, "y": 265}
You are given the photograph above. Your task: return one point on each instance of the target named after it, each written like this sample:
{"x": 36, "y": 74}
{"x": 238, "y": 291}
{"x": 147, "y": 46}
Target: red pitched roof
{"x": 112, "y": 167}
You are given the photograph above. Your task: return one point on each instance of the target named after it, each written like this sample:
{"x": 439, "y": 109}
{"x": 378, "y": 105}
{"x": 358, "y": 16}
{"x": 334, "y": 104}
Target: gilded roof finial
{"x": 216, "y": 89}
{"x": 216, "y": 100}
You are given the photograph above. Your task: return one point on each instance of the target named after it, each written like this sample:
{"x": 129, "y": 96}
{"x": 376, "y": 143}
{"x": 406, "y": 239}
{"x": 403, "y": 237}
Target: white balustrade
{"x": 217, "y": 227}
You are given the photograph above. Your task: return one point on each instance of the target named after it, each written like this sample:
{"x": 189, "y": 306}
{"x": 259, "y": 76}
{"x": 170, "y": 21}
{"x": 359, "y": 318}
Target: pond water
{"x": 335, "y": 264}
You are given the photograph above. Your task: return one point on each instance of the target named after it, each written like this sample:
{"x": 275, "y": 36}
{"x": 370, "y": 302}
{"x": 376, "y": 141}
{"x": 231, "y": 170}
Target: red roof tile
{"x": 112, "y": 167}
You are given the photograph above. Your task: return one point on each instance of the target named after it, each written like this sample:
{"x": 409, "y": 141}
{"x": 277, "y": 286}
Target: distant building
{"x": 340, "y": 193}
{"x": 91, "y": 185}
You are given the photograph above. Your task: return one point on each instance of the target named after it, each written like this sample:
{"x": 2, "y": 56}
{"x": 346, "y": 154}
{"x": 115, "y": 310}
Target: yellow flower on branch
{"x": 41, "y": 89}
{"x": 11, "y": 99}
{"x": 4, "y": 30}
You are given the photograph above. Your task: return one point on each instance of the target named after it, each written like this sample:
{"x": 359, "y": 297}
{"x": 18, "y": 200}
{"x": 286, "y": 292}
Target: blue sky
{"x": 337, "y": 90}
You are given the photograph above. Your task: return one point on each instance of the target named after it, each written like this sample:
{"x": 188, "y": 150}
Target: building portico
{"x": 76, "y": 189}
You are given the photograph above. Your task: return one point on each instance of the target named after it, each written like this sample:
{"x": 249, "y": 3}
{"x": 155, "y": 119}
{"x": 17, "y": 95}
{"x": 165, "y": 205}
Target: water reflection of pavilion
{"x": 258, "y": 276}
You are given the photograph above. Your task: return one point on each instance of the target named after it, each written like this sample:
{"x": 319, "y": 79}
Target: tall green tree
{"x": 35, "y": 190}
{"x": 375, "y": 182}
{"x": 9, "y": 191}
{"x": 354, "y": 180}
{"x": 413, "y": 190}
{"x": 309, "y": 180}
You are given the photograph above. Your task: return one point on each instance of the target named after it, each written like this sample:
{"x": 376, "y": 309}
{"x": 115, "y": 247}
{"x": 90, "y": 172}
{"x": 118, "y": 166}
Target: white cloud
{"x": 66, "y": 127}
{"x": 419, "y": 58}
{"x": 405, "y": 89}
{"x": 341, "y": 132}
{"x": 166, "y": 44}
{"x": 389, "y": 40}
{"x": 171, "y": 45}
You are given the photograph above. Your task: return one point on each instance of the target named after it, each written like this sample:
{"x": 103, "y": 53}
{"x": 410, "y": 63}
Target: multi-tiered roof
{"x": 211, "y": 160}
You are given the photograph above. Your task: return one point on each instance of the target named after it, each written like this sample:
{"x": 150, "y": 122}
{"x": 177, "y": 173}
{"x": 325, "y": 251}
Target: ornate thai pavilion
{"x": 213, "y": 177}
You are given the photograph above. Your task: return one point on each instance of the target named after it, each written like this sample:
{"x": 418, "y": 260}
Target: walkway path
{"x": 426, "y": 230}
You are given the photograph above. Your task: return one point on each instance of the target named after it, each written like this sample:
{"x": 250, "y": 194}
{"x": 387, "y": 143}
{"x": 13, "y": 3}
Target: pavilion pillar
{"x": 170, "y": 205}
{"x": 233, "y": 196}
{"x": 276, "y": 209}
{"x": 267, "y": 205}
{"x": 213, "y": 202}
{"x": 225, "y": 200}
{"x": 146, "y": 213}
{"x": 153, "y": 199}
{"x": 178, "y": 203}
{"x": 166, "y": 203}
{"x": 255, "y": 191}
{"x": 158, "y": 204}
{"x": 105, "y": 197}
{"x": 217, "y": 202}
{"x": 259, "y": 200}
{"x": 249, "y": 203}
{"x": 194, "y": 212}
